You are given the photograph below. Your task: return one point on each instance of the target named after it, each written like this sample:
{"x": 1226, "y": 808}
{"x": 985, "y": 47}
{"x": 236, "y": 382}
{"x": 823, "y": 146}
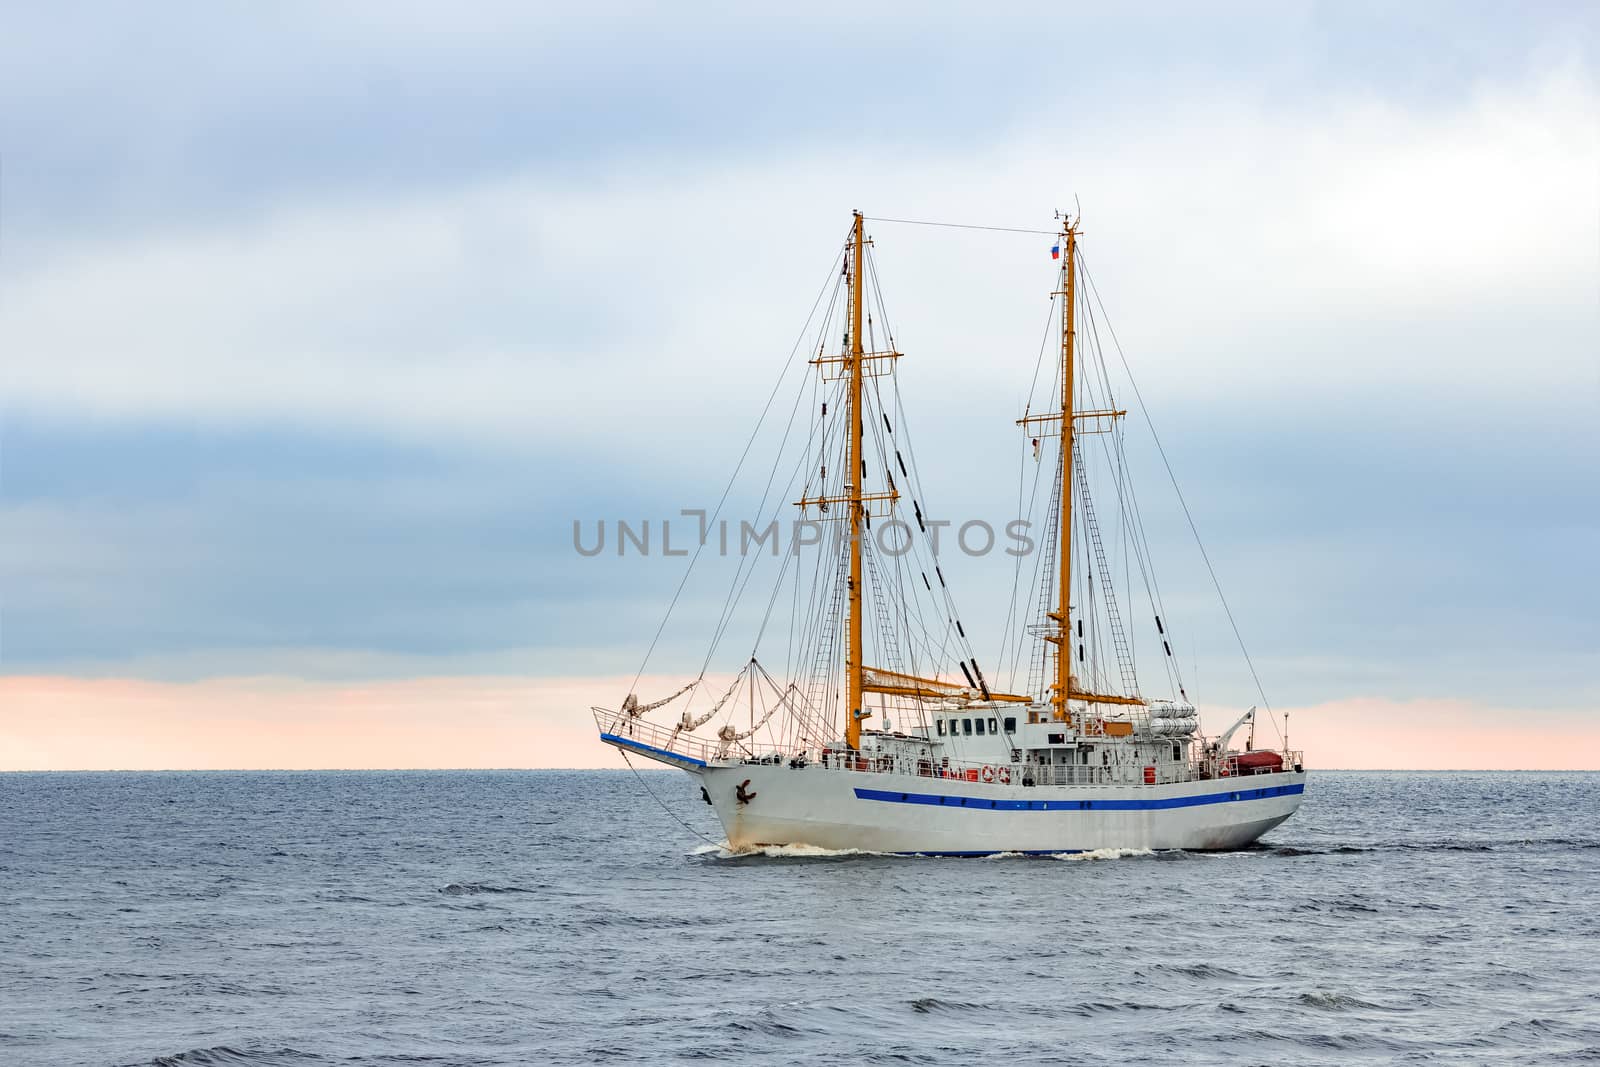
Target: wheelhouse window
{"x": 939, "y": 725}
{"x": 966, "y": 727}
{"x": 994, "y": 727}
{"x": 980, "y": 726}
{"x": 1011, "y": 724}
{"x": 1057, "y": 739}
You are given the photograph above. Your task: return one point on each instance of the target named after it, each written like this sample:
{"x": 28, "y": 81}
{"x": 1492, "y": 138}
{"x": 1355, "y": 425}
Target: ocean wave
{"x": 1207, "y": 971}
{"x": 228, "y": 1056}
{"x": 1338, "y": 1002}
{"x": 627, "y": 919}
{"x": 766, "y": 1025}
{"x": 935, "y": 1006}
{"x": 462, "y": 889}
{"x": 1497, "y": 845}
{"x": 1092, "y": 1008}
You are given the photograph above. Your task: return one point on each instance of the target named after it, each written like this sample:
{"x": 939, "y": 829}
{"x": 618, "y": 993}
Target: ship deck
{"x": 675, "y": 748}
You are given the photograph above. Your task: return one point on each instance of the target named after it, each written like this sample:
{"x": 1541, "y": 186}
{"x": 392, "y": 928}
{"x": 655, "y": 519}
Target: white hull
{"x": 843, "y": 810}
{"x": 877, "y": 812}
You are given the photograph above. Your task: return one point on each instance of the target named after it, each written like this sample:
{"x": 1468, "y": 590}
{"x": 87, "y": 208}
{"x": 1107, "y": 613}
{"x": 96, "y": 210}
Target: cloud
{"x": 221, "y": 113}
{"x": 1247, "y": 254}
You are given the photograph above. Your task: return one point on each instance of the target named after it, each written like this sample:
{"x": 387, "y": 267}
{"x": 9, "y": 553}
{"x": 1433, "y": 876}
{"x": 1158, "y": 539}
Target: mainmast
{"x": 1062, "y": 615}
{"x": 854, "y": 669}
{"x": 1059, "y": 633}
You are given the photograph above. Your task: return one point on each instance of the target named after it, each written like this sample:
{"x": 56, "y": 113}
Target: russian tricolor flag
{"x": 1055, "y": 251}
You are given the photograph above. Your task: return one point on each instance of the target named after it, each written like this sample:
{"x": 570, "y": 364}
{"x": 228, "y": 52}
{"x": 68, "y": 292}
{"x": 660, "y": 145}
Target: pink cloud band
{"x": 53, "y": 723}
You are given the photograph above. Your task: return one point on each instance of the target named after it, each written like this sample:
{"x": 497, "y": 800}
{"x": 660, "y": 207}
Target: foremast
{"x": 862, "y": 679}
{"x": 852, "y": 364}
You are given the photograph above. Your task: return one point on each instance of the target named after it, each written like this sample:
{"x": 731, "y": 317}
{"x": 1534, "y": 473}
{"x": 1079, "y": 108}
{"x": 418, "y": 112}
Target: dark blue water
{"x": 562, "y": 917}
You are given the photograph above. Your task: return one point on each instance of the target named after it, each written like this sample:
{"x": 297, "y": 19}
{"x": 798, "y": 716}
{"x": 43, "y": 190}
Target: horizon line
{"x": 669, "y": 770}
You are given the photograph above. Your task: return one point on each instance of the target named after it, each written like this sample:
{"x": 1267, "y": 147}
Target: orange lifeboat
{"x": 1259, "y": 763}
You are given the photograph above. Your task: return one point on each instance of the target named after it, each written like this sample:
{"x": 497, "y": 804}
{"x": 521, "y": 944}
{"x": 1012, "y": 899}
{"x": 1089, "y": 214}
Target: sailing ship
{"x": 881, "y": 732}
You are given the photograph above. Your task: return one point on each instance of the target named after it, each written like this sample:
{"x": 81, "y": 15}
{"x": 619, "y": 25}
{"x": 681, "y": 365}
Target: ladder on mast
{"x": 1119, "y": 639}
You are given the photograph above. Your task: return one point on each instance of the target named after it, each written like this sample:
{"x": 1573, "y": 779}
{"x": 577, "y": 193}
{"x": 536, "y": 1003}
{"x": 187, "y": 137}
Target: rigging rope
{"x": 960, "y": 225}
{"x": 1013, "y": 616}
{"x": 675, "y": 816}
{"x": 733, "y": 477}
{"x": 1128, "y": 504}
{"x": 1193, "y": 529}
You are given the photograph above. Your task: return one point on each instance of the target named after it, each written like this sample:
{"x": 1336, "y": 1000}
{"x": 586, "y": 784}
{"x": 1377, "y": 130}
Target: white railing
{"x": 649, "y": 734}
{"x": 679, "y": 743}
{"x": 1228, "y": 766}
{"x": 1160, "y": 772}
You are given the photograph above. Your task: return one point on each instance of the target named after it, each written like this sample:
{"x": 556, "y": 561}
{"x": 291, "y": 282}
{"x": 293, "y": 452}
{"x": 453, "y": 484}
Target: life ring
{"x": 1005, "y": 775}
{"x": 988, "y": 773}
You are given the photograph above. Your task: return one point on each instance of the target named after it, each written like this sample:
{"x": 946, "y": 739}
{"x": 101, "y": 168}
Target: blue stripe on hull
{"x": 1153, "y": 804}
{"x": 639, "y": 746}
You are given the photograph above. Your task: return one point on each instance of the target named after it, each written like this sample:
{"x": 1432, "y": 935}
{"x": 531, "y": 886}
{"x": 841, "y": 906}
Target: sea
{"x": 297, "y": 919}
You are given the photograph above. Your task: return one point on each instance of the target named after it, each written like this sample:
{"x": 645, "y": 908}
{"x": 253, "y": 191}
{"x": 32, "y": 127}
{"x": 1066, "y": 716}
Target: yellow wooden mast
{"x": 854, "y": 663}
{"x": 1062, "y": 615}
{"x": 1065, "y": 686}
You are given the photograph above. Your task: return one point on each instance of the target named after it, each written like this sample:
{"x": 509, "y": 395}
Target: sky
{"x": 321, "y": 326}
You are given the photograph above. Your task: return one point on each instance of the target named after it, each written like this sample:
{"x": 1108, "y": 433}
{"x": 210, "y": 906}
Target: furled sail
{"x": 896, "y": 683}
{"x": 729, "y": 734}
{"x": 688, "y": 723}
{"x": 632, "y": 709}
{"x": 878, "y": 680}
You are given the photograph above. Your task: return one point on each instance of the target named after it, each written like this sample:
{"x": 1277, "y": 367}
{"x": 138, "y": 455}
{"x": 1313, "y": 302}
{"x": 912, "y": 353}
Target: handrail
{"x": 1166, "y": 772}
{"x": 676, "y": 741}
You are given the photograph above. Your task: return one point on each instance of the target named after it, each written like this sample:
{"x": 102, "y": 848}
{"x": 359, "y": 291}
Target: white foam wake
{"x": 724, "y": 851}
